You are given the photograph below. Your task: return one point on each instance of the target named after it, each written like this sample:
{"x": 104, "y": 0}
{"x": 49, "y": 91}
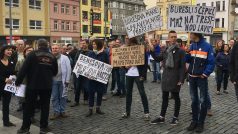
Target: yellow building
{"x": 30, "y": 20}
{"x": 99, "y": 27}
{"x": 163, "y": 5}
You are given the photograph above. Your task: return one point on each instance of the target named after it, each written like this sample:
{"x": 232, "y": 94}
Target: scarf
{"x": 170, "y": 58}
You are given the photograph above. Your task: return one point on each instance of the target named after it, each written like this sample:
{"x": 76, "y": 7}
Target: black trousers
{"x": 6, "y": 98}
{"x": 222, "y": 76}
{"x": 29, "y": 107}
{"x": 166, "y": 101}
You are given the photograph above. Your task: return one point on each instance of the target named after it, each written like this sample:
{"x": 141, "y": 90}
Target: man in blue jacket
{"x": 201, "y": 62}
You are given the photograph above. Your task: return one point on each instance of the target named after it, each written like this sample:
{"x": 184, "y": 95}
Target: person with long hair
{"x": 222, "y": 63}
{"x": 6, "y": 69}
{"x": 136, "y": 74}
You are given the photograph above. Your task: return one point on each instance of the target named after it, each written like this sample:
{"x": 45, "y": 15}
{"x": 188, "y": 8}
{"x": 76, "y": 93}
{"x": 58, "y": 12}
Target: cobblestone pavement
{"x": 225, "y": 119}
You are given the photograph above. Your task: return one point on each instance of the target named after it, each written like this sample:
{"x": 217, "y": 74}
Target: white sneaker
{"x": 147, "y": 117}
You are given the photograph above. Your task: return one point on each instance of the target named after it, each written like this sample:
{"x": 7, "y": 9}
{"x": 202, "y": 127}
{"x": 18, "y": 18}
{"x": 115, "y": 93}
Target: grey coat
{"x": 171, "y": 76}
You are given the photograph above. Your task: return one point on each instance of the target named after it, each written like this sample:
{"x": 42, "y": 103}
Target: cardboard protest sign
{"x": 128, "y": 56}
{"x": 143, "y": 22}
{"x": 197, "y": 19}
{"x": 92, "y": 69}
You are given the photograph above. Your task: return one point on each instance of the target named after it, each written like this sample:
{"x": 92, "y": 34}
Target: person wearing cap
{"x": 201, "y": 63}
{"x": 39, "y": 69}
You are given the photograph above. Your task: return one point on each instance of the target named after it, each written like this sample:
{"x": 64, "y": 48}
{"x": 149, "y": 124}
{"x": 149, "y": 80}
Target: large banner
{"x": 92, "y": 69}
{"x": 128, "y": 56}
{"x": 143, "y": 22}
{"x": 197, "y": 19}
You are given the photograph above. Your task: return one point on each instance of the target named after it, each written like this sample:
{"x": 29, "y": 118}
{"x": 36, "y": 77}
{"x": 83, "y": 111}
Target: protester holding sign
{"x": 81, "y": 81}
{"x": 136, "y": 74}
{"x": 6, "y": 69}
{"x": 201, "y": 62}
{"x": 95, "y": 86}
{"x": 173, "y": 76}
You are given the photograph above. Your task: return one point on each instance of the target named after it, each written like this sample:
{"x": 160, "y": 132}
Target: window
{"x": 67, "y": 9}
{"x": 85, "y": 2}
{"x": 115, "y": 4}
{"x": 56, "y": 8}
{"x": 74, "y": 10}
{"x": 122, "y": 6}
{"x": 198, "y": 4}
{"x": 129, "y": 7}
{"x": 85, "y": 28}
{"x": 35, "y": 24}
{"x": 55, "y": 25}
{"x": 62, "y": 8}
{"x": 115, "y": 16}
{"x": 122, "y": 16}
{"x": 223, "y": 23}
{"x": 217, "y": 23}
{"x": 97, "y": 29}
{"x": 85, "y": 15}
{"x": 218, "y": 4}
{"x": 203, "y": 4}
{"x": 62, "y": 25}
{"x": 97, "y": 16}
{"x": 96, "y": 3}
{"x": 223, "y": 6}
{"x": 212, "y": 4}
{"x": 35, "y": 4}
{"x": 68, "y": 26}
{"x": 15, "y": 23}
{"x": 141, "y": 8}
{"x": 15, "y": 3}
{"x": 136, "y": 8}
{"x": 75, "y": 26}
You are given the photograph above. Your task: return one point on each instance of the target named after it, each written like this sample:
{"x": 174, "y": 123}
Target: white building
{"x": 222, "y": 22}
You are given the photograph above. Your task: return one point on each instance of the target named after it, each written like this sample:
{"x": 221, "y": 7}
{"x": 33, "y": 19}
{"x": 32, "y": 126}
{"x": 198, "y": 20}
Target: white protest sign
{"x": 20, "y": 92}
{"x": 11, "y": 87}
{"x": 197, "y": 19}
{"x": 143, "y": 22}
{"x": 92, "y": 69}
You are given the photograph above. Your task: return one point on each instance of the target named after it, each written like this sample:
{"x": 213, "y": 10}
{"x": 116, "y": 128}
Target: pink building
{"x": 65, "y": 21}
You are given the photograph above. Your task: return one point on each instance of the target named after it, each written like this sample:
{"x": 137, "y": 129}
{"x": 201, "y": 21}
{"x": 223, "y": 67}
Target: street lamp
{"x": 10, "y": 20}
{"x": 91, "y": 22}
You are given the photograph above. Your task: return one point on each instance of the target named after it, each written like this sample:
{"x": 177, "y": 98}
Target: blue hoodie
{"x": 201, "y": 58}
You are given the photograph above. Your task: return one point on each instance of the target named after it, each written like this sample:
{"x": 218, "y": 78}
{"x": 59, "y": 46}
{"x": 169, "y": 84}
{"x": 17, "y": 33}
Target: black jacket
{"x": 171, "y": 76}
{"x": 39, "y": 68}
{"x": 234, "y": 64}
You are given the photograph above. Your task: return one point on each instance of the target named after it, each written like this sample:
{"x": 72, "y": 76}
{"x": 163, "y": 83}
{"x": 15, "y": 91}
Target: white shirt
{"x": 133, "y": 71}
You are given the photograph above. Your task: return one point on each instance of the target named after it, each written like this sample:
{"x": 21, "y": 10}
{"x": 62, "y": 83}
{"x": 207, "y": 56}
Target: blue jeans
{"x": 58, "y": 101}
{"x": 156, "y": 71}
{"x": 209, "y": 103}
{"x": 121, "y": 86}
{"x": 199, "y": 105}
{"x": 115, "y": 78}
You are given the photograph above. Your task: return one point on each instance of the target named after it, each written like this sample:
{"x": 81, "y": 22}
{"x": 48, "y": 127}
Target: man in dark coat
{"x": 173, "y": 76}
{"x": 234, "y": 68}
{"x": 39, "y": 69}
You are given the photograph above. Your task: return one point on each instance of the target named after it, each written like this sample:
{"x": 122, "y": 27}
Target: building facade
{"x": 95, "y": 20}
{"x": 222, "y": 28}
{"x": 64, "y": 22}
{"x": 163, "y": 5}
{"x": 29, "y": 20}
{"x": 121, "y": 9}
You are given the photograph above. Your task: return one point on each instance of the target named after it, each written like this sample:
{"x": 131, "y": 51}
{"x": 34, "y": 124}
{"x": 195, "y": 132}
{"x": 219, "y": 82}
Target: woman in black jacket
{"x": 95, "y": 86}
{"x": 6, "y": 69}
{"x": 136, "y": 74}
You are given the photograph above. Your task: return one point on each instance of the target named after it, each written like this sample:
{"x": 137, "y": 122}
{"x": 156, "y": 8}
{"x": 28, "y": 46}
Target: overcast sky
{"x": 150, "y": 3}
